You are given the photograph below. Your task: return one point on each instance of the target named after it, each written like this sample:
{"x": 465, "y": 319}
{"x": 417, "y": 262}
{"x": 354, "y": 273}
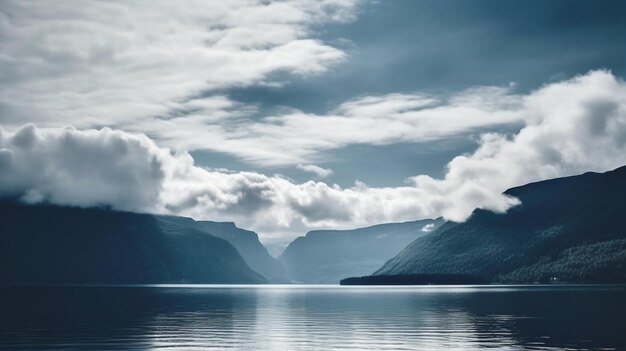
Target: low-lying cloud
{"x": 570, "y": 127}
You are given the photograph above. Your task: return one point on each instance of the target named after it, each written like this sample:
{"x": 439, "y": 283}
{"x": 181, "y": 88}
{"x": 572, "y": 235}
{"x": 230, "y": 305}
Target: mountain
{"x": 246, "y": 242}
{"x": 569, "y": 229}
{"x": 43, "y": 244}
{"x": 327, "y": 256}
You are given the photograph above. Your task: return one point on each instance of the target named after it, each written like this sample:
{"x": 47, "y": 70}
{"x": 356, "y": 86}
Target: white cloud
{"x": 297, "y": 137}
{"x": 98, "y": 63}
{"x": 161, "y": 68}
{"x": 428, "y": 228}
{"x": 81, "y": 168}
{"x": 570, "y": 127}
{"x": 317, "y": 170}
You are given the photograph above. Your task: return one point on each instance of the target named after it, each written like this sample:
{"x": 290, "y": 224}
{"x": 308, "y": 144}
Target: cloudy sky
{"x": 286, "y": 116}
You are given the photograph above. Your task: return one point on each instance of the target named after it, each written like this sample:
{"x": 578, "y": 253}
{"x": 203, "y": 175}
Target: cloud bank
{"x": 570, "y": 127}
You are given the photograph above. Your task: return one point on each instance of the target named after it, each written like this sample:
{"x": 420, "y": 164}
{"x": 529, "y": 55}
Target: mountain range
{"x": 568, "y": 229}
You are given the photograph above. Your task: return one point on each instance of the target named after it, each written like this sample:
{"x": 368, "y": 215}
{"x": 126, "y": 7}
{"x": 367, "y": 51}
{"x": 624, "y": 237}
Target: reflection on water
{"x": 311, "y": 318}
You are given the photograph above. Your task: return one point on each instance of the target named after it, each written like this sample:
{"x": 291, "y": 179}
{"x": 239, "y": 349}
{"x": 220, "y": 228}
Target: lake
{"x": 313, "y": 318}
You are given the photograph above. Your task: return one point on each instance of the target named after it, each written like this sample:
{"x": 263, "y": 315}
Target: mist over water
{"x": 312, "y": 317}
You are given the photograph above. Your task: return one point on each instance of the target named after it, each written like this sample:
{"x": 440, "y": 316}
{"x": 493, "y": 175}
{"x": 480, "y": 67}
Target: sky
{"x": 288, "y": 116}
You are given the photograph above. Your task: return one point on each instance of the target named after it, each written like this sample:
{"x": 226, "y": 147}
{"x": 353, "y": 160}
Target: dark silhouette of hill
{"x": 569, "y": 229}
{"x": 43, "y": 244}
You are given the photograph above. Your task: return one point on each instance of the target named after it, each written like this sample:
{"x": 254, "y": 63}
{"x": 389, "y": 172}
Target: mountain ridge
{"x": 556, "y": 215}
{"x": 245, "y": 241}
{"x": 47, "y": 244}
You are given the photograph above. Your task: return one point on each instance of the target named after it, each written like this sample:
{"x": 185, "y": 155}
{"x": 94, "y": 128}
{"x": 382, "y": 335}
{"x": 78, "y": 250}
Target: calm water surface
{"x": 313, "y": 318}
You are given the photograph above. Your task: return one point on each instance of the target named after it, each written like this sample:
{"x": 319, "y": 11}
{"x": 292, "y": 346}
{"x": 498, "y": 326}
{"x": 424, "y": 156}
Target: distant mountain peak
{"x": 326, "y": 256}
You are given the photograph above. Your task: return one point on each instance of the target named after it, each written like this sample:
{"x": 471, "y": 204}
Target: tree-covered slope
{"x": 61, "y": 245}
{"x": 568, "y": 228}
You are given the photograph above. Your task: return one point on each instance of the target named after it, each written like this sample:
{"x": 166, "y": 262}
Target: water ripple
{"x": 311, "y": 318}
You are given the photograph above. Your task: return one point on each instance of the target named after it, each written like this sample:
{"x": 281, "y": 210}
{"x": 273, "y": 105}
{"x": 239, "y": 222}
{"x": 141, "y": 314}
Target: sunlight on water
{"x": 312, "y": 317}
